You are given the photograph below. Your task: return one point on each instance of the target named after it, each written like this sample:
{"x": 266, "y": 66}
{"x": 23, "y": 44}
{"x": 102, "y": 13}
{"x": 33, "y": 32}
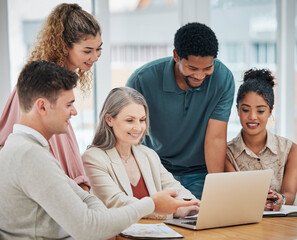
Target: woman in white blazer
{"x": 120, "y": 170}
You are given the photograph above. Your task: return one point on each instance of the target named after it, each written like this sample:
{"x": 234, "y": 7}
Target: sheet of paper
{"x": 159, "y": 230}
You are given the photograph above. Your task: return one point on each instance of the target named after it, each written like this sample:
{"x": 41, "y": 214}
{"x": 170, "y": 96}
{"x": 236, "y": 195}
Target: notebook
{"x": 285, "y": 211}
{"x": 229, "y": 199}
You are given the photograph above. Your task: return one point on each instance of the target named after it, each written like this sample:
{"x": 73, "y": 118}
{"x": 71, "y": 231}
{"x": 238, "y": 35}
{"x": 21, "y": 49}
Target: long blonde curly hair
{"x": 66, "y": 25}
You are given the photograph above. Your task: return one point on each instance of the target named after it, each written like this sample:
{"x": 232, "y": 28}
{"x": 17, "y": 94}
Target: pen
{"x": 273, "y": 200}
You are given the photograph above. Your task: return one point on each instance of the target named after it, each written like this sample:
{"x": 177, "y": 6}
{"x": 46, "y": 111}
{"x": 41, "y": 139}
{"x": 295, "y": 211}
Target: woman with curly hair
{"x": 71, "y": 38}
{"x": 255, "y": 148}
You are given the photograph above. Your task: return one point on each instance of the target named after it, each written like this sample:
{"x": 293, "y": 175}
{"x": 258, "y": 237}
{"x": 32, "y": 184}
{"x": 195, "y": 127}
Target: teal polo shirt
{"x": 178, "y": 118}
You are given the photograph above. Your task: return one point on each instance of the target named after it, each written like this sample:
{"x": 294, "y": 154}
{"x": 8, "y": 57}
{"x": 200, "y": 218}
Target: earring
{"x": 271, "y": 122}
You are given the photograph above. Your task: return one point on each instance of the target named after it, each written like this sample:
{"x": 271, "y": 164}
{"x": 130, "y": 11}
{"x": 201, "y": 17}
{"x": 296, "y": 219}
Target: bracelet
{"x": 284, "y": 199}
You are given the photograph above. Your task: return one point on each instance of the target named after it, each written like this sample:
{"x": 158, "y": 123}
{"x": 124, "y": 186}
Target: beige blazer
{"x": 110, "y": 182}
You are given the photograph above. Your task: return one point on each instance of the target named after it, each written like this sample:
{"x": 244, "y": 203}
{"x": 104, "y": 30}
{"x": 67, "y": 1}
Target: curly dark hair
{"x": 260, "y": 81}
{"x": 195, "y": 39}
{"x": 66, "y": 25}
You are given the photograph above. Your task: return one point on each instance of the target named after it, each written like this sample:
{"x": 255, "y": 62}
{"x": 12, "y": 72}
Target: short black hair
{"x": 195, "y": 39}
{"x": 43, "y": 79}
{"x": 260, "y": 81}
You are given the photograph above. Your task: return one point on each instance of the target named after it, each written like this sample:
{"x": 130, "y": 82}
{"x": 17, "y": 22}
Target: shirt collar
{"x": 240, "y": 146}
{"x": 30, "y": 132}
{"x": 169, "y": 83}
{"x": 271, "y": 142}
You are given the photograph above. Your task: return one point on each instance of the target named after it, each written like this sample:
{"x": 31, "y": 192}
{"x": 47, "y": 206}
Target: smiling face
{"x": 253, "y": 112}
{"x": 129, "y": 125}
{"x": 193, "y": 71}
{"x": 85, "y": 53}
{"x": 60, "y": 112}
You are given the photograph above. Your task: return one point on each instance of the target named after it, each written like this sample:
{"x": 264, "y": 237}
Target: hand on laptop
{"x": 166, "y": 203}
{"x": 274, "y": 201}
{"x": 186, "y": 211}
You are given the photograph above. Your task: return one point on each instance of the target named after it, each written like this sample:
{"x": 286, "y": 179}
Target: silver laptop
{"x": 228, "y": 199}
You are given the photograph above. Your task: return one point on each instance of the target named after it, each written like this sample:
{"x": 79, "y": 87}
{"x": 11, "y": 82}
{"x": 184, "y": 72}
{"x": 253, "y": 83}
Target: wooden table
{"x": 278, "y": 228}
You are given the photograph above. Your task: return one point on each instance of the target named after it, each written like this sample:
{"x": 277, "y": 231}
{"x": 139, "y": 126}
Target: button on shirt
{"x": 273, "y": 156}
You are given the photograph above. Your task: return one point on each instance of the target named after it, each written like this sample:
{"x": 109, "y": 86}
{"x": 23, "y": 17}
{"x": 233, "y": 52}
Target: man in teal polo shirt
{"x": 190, "y": 96}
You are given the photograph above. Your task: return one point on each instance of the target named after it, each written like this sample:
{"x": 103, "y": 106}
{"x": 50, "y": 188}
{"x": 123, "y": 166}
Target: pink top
{"x": 64, "y": 147}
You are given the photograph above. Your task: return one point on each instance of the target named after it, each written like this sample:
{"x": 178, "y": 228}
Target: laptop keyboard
{"x": 190, "y": 222}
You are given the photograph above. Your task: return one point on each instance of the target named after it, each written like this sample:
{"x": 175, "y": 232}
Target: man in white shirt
{"x": 37, "y": 199}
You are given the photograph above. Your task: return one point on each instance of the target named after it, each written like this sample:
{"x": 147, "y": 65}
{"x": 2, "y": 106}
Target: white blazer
{"x": 110, "y": 182}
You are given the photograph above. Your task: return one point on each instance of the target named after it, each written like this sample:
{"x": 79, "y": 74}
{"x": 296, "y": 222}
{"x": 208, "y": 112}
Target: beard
{"x": 186, "y": 78}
